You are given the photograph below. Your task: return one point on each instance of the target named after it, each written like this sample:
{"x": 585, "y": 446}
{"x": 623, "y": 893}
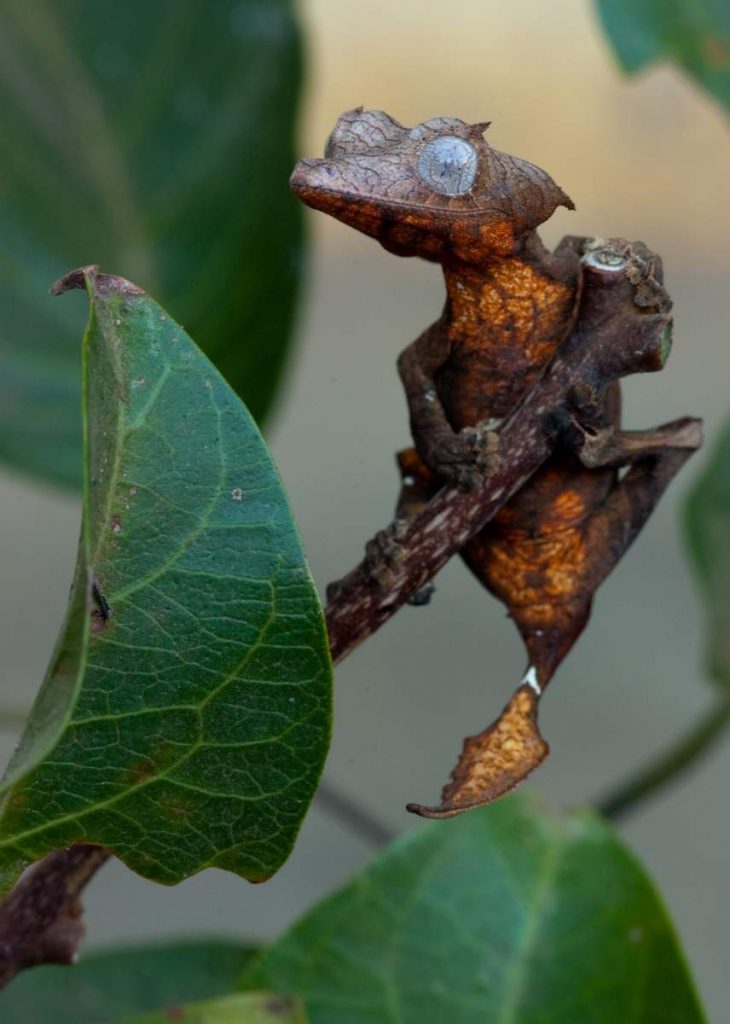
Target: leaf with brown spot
{"x": 185, "y": 716}
{"x": 513, "y": 914}
{"x": 113, "y": 984}
{"x": 248, "y": 1008}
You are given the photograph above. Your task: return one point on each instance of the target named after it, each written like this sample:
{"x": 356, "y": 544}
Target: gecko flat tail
{"x": 495, "y": 761}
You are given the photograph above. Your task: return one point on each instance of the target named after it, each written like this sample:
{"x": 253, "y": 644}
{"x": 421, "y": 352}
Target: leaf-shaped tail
{"x": 496, "y": 760}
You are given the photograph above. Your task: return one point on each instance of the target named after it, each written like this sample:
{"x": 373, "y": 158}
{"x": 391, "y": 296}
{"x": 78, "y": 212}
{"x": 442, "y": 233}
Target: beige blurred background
{"x": 646, "y": 158}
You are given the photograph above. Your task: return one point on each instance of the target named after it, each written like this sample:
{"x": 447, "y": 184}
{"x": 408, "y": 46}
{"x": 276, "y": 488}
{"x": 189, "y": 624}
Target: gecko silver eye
{"x": 448, "y": 164}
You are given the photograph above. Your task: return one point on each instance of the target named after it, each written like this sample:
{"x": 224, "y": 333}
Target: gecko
{"x": 441, "y": 192}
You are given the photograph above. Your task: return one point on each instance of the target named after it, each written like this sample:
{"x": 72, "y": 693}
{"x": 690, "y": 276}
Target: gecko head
{"x": 438, "y": 190}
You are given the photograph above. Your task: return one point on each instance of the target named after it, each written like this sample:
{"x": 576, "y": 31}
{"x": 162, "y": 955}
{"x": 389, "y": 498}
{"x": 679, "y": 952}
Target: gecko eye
{"x": 448, "y": 164}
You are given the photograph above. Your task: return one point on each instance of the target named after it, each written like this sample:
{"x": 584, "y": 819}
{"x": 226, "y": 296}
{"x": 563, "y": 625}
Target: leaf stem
{"x": 353, "y": 816}
{"x": 684, "y": 753}
{"x": 41, "y": 920}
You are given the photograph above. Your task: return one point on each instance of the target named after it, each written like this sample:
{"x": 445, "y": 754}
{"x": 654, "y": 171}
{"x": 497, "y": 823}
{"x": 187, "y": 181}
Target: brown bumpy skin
{"x": 441, "y": 192}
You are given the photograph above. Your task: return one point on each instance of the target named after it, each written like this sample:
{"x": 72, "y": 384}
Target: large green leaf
{"x": 708, "y": 536}
{"x": 104, "y": 987}
{"x": 508, "y": 915}
{"x": 694, "y": 33}
{"x": 154, "y": 138}
{"x": 252, "y": 1008}
{"x": 185, "y": 716}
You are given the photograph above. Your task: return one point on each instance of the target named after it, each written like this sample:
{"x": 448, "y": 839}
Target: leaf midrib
{"x": 517, "y": 975}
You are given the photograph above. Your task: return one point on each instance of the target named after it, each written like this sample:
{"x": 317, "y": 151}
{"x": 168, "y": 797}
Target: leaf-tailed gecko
{"x": 441, "y": 192}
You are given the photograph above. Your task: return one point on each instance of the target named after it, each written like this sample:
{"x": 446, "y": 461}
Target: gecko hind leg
{"x": 633, "y": 498}
{"x": 613, "y": 447}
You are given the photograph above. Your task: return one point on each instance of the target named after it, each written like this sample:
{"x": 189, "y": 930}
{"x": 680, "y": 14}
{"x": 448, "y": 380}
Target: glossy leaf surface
{"x": 252, "y": 1008}
{"x": 693, "y": 33}
{"x": 153, "y": 139}
{"x": 185, "y": 717}
{"x": 508, "y": 914}
{"x": 106, "y": 986}
{"x": 708, "y": 537}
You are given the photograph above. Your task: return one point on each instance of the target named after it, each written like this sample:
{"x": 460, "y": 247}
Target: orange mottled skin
{"x": 503, "y": 321}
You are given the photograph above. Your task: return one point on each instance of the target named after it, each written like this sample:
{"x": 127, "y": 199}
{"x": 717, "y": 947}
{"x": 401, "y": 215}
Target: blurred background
{"x": 646, "y": 158}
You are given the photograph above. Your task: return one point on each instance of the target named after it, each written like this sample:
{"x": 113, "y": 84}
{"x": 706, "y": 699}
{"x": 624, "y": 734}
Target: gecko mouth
{"x": 323, "y": 185}
{"x": 329, "y": 185}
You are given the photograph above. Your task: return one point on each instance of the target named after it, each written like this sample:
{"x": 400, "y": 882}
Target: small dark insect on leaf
{"x": 102, "y": 605}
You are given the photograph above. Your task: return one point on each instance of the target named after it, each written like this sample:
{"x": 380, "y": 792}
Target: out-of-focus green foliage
{"x": 694, "y": 33}
{"x": 106, "y": 986}
{"x": 185, "y": 717}
{"x": 156, "y": 140}
{"x": 251, "y": 1008}
{"x": 708, "y": 536}
{"x": 507, "y": 914}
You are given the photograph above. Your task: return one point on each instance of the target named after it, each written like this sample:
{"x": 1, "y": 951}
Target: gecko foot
{"x": 467, "y": 457}
{"x": 383, "y": 554}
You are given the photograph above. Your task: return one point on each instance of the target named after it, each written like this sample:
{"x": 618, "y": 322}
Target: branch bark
{"x": 41, "y": 921}
{"x": 621, "y": 327}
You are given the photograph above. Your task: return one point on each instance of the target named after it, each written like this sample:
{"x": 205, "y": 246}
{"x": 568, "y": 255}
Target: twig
{"x": 687, "y": 751}
{"x": 41, "y": 921}
{"x": 617, "y": 331}
{"x": 353, "y": 815}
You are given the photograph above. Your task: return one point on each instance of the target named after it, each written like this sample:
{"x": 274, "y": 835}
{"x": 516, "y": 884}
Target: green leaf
{"x": 708, "y": 539}
{"x": 154, "y": 138}
{"x": 252, "y": 1008}
{"x": 509, "y": 914}
{"x": 185, "y": 717}
{"x": 693, "y": 33}
{"x": 105, "y": 986}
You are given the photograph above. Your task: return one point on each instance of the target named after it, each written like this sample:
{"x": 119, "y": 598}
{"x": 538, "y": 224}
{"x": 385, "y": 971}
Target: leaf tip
{"x": 74, "y": 279}
{"x": 103, "y": 284}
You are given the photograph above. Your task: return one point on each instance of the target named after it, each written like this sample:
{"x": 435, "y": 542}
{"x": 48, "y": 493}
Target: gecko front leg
{"x": 418, "y": 486}
{"x": 462, "y": 457}
{"x": 442, "y": 455}
{"x": 652, "y": 459}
